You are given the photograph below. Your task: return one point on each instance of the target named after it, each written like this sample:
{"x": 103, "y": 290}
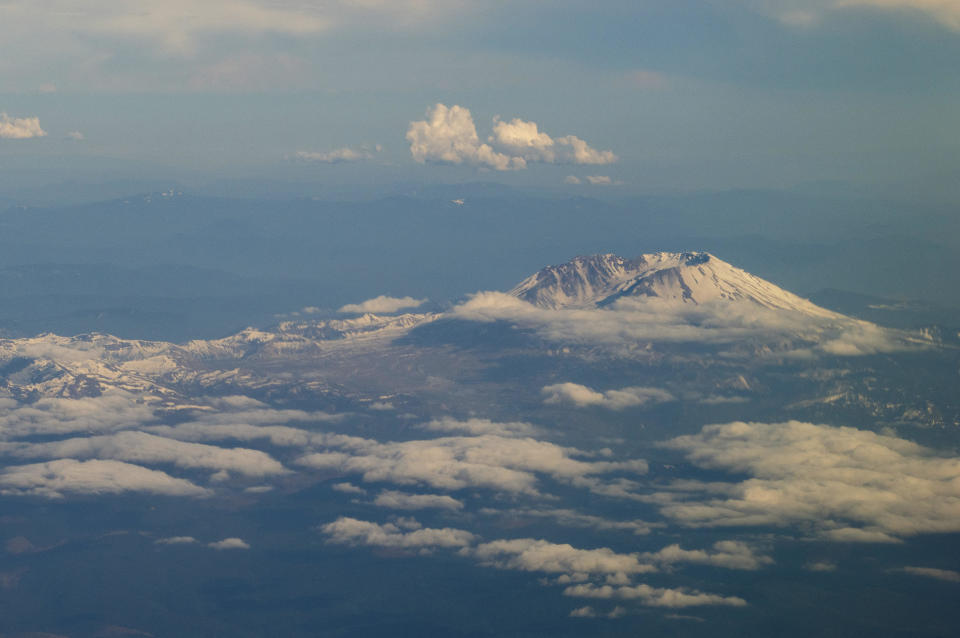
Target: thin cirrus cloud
{"x": 20, "y": 128}
{"x": 449, "y": 136}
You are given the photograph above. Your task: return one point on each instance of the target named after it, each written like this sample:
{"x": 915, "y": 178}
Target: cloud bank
{"x": 582, "y": 396}
{"x": 849, "y": 485}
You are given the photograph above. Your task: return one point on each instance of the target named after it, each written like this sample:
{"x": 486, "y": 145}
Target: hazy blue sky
{"x": 655, "y": 93}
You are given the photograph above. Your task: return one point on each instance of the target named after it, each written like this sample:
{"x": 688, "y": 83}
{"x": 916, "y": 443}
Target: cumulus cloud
{"x": 76, "y": 136}
{"x": 449, "y": 136}
{"x": 113, "y": 410}
{"x": 653, "y": 596}
{"x": 535, "y": 555}
{"x": 229, "y": 543}
{"x": 582, "y": 396}
{"x": 383, "y": 305}
{"x": 726, "y": 554}
{"x": 851, "y": 485}
{"x": 348, "y": 488}
{"x": 452, "y": 463}
{"x": 20, "y": 128}
{"x": 571, "y": 179}
{"x": 354, "y": 532}
{"x": 947, "y": 575}
{"x": 54, "y": 479}
{"x": 405, "y": 501}
{"x": 140, "y": 447}
{"x": 336, "y": 156}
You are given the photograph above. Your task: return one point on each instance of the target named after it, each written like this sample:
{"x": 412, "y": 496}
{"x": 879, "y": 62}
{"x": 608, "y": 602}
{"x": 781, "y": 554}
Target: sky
{"x": 629, "y": 96}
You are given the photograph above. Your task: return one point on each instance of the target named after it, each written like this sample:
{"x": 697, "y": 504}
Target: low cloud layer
{"x": 55, "y": 479}
{"x": 383, "y": 305}
{"x": 487, "y": 461}
{"x": 20, "y": 128}
{"x": 405, "y": 501}
{"x": 630, "y": 322}
{"x": 653, "y": 596}
{"x": 350, "y": 531}
{"x": 449, "y": 136}
{"x": 850, "y": 485}
{"x": 582, "y": 396}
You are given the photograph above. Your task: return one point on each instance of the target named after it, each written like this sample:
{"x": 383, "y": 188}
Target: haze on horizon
{"x": 827, "y": 94}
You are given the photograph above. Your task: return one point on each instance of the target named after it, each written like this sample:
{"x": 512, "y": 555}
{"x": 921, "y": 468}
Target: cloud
{"x": 600, "y": 180}
{"x": 524, "y": 139}
{"x": 19, "y": 128}
{"x": 630, "y": 323}
{"x": 482, "y": 426}
{"x": 851, "y": 485}
{"x": 54, "y": 479}
{"x": 571, "y": 518}
{"x": 383, "y": 305}
{"x": 350, "y": 531}
{"x": 534, "y": 555}
{"x": 727, "y": 554}
{"x": 571, "y": 179}
{"x": 229, "y": 543}
{"x": 336, "y": 156}
{"x": 140, "y": 447}
{"x": 176, "y": 540}
{"x": 449, "y": 136}
{"x": 947, "y": 575}
{"x": 947, "y": 12}
{"x": 76, "y": 136}
{"x": 404, "y": 501}
{"x": 348, "y": 488}
{"x": 113, "y": 410}
{"x": 653, "y": 596}
{"x": 582, "y": 396}
{"x": 590, "y": 612}
{"x": 452, "y": 463}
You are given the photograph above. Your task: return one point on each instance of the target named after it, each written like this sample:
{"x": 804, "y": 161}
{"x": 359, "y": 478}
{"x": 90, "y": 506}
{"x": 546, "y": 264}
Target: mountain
{"x": 685, "y": 277}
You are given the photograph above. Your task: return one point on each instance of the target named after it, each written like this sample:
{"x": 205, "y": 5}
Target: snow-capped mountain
{"x": 688, "y": 277}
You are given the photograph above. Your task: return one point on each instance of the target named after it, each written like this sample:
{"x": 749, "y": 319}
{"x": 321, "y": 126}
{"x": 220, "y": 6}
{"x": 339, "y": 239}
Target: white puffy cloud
{"x": 590, "y": 612}
{"x": 229, "y": 543}
{"x": 404, "y": 501}
{"x": 176, "y": 540}
{"x": 336, "y": 156}
{"x": 54, "y": 479}
{"x": 140, "y": 447}
{"x": 76, "y": 136}
{"x": 351, "y": 531}
{"x": 726, "y": 554}
{"x": 19, "y": 128}
{"x": 947, "y": 575}
{"x": 487, "y": 461}
{"x": 383, "y": 305}
{"x": 851, "y": 485}
{"x": 449, "y": 135}
{"x": 653, "y": 596}
{"x": 535, "y": 555}
{"x": 582, "y": 396}
{"x": 482, "y": 426}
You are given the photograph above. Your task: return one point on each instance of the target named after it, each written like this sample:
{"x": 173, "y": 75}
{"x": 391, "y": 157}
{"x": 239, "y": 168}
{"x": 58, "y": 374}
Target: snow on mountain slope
{"x": 690, "y": 278}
